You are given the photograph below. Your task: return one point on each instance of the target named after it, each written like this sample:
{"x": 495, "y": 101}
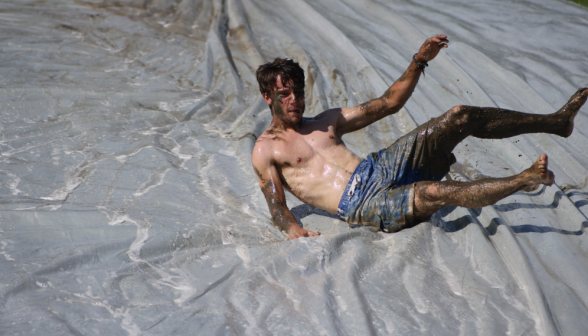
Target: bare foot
{"x": 571, "y": 108}
{"x": 538, "y": 174}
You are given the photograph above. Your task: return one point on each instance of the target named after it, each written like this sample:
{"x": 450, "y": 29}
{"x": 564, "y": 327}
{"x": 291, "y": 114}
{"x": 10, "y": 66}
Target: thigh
{"x": 421, "y": 155}
{"x": 390, "y": 209}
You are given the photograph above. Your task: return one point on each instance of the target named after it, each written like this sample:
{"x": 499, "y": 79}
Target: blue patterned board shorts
{"x": 381, "y": 190}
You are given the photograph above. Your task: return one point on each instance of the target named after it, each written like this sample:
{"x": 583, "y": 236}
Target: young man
{"x": 399, "y": 186}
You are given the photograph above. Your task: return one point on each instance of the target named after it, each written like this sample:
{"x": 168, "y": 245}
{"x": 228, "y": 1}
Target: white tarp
{"x": 128, "y": 204}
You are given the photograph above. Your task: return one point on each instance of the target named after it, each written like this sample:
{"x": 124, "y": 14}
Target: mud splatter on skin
{"x": 432, "y": 196}
{"x": 491, "y": 123}
{"x": 404, "y": 75}
{"x": 388, "y": 93}
{"x": 441, "y": 135}
{"x": 277, "y": 108}
{"x": 372, "y": 108}
{"x": 376, "y": 105}
{"x": 274, "y": 131}
{"x": 571, "y": 108}
{"x": 281, "y": 216}
{"x": 497, "y": 123}
{"x": 277, "y": 97}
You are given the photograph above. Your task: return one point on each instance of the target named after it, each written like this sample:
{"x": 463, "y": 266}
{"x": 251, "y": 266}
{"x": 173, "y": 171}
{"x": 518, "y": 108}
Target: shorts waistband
{"x": 354, "y": 181}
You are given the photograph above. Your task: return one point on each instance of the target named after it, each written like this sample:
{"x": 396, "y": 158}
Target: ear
{"x": 268, "y": 100}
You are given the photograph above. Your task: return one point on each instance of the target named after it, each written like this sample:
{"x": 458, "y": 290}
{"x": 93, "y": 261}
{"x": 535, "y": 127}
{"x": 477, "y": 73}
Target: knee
{"x": 427, "y": 193}
{"x": 426, "y": 200}
{"x": 458, "y": 115}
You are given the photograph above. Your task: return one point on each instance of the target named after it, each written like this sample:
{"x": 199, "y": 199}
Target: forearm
{"x": 398, "y": 94}
{"x": 282, "y": 217}
{"x": 394, "y": 98}
{"x": 267, "y": 173}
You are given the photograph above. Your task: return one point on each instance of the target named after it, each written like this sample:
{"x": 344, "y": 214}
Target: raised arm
{"x": 271, "y": 186}
{"x": 396, "y": 96}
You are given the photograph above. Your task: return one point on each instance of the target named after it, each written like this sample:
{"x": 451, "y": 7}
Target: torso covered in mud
{"x": 313, "y": 162}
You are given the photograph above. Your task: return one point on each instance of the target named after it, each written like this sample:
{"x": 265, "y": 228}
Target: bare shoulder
{"x": 262, "y": 151}
{"x": 267, "y": 150}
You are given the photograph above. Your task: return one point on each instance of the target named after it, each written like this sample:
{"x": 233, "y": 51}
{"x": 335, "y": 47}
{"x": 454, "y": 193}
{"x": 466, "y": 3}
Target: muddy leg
{"x": 497, "y": 123}
{"x": 432, "y": 196}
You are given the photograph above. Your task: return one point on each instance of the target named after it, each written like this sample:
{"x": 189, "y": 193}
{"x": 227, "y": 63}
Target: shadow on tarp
{"x": 461, "y": 222}
{"x": 515, "y": 206}
{"x": 579, "y": 203}
{"x": 304, "y": 210}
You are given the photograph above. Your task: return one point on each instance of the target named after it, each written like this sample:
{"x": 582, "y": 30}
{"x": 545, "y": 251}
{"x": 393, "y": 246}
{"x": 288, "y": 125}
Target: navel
{"x": 298, "y": 160}
{"x": 331, "y": 137}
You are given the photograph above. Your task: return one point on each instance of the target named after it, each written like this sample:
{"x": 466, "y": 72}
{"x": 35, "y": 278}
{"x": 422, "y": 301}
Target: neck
{"x": 282, "y": 125}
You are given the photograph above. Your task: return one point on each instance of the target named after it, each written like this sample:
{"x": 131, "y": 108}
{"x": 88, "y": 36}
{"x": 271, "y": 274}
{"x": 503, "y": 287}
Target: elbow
{"x": 393, "y": 106}
{"x": 389, "y": 105}
{"x": 392, "y": 109}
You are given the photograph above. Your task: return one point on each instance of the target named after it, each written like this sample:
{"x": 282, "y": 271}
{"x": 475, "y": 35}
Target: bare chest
{"x": 303, "y": 149}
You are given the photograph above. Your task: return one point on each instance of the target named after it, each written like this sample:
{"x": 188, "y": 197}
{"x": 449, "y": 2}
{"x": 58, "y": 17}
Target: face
{"x": 287, "y": 102}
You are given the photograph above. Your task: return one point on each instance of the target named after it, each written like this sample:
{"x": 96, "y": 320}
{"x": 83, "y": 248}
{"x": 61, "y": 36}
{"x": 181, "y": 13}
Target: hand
{"x": 296, "y": 231}
{"x": 431, "y": 48}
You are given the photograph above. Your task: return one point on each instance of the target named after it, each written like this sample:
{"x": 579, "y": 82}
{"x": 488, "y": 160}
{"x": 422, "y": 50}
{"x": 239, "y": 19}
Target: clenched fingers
{"x": 439, "y": 40}
{"x": 432, "y": 46}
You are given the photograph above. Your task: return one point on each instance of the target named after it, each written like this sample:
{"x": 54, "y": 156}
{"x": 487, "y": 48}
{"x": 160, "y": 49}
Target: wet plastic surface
{"x": 128, "y": 204}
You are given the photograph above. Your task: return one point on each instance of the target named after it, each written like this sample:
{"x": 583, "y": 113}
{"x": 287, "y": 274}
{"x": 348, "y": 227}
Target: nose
{"x": 298, "y": 96}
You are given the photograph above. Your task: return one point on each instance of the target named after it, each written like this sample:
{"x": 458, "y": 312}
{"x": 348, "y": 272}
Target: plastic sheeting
{"x": 129, "y": 206}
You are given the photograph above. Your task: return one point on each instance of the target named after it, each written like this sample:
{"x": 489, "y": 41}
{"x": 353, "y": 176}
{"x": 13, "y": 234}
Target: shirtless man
{"x": 399, "y": 186}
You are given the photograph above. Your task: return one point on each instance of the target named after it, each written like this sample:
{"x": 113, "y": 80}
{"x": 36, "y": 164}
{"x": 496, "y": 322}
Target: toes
{"x": 541, "y": 165}
{"x": 582, "y": 93}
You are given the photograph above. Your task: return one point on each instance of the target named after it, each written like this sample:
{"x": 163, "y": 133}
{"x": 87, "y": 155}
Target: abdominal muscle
{"x": 321, "y": 180}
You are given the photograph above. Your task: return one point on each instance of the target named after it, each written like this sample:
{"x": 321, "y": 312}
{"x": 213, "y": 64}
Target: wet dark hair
{"x": 287, "y": 69}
